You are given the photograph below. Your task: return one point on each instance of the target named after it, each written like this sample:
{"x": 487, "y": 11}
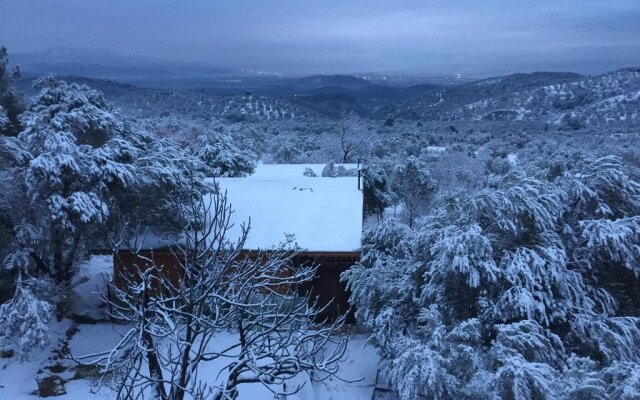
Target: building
{"x": 323, "y": 214}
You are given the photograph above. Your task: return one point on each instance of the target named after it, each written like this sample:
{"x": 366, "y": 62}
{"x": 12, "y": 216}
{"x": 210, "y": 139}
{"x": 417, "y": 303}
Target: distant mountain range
{"x": 201, "y": 104}
{"x": 322, "y": 94}
{"x": 154, "y": 72}
{"x": 139, "y": 70}
{"x": 563, "y": 99}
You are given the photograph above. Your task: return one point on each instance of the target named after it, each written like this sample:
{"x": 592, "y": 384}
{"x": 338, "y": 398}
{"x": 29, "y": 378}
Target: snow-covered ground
{"x": 18, "y": 379}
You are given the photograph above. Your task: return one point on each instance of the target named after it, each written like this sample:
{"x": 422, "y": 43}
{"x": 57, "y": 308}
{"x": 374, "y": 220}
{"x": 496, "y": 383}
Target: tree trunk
{"x": 183, "y": 379}
{"x": 71, "y": 255}
{"x": 155, "y": 369}
{"x": 58, "y": 259}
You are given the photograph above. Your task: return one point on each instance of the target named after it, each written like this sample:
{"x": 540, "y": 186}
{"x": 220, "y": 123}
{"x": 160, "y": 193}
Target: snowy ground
{"x": 18, "y": 379}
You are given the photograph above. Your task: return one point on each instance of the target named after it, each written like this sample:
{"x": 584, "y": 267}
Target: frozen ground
{"x": 18, "y": 379}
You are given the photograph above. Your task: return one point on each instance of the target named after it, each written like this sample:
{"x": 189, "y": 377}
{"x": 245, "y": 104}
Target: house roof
{"x": 323, "y": 214}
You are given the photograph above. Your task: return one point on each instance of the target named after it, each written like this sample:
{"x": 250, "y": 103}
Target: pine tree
{"x": 10, "y": 103}
{"x": 220, "y": 158}
{"x": 512, "y": 292}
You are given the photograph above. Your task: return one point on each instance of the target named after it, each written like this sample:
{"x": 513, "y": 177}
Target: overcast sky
{"x": 473, "y": 37}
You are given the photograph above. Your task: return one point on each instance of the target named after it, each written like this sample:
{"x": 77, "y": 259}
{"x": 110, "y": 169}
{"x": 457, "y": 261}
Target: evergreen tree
{"x": 87, "y": 168}
{"x": 414, "y": 186}
{"x": 507, "y": 293}
{"x": 10, "y": 103}
{"x": 377, "y": 191}
{"x": 220, "y": 158}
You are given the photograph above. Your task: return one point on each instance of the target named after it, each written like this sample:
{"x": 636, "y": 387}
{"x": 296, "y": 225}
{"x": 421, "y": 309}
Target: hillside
{"x": 566, "y": 100}
{"x": 151, "y": 102}
{"x": 322, "y": 95}
{"x": 437, "y": 102}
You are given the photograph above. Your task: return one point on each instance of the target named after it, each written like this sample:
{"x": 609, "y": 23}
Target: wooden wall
{"x": 326, "y": 287}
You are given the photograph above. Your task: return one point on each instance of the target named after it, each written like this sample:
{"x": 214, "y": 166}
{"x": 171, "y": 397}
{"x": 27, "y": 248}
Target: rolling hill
{"x": 565, "y": 100}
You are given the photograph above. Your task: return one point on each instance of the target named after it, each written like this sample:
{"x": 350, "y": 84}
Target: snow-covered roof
{"x": 324, "y": 214}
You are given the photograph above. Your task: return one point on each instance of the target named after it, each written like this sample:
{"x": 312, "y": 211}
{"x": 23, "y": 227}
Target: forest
{"x": 500, "y": 252}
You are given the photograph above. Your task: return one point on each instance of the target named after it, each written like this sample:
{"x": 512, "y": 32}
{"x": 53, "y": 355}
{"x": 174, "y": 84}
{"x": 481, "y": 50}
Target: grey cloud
{"x": 479, "y": 37}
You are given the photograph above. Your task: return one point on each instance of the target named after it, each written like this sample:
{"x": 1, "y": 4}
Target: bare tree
{"x": 173, "y": 318}
{"x": 352, "y": 132}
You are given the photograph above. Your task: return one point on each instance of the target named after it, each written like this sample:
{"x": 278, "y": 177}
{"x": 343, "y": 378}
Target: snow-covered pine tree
{"x": 411, "y": 181}
{"x": 220, "y": 158}
{"x": 64, "y": 129}
{"x": 88, "y": 166}
{"x": 4, "y": 119}
{"x": 491, "y": 294}
{"x": 10, "y": 102}
{"x": 377, "y": 190}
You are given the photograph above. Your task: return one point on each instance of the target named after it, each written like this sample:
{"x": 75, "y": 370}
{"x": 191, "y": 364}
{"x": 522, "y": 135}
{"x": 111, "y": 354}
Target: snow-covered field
{"x": 19, "y": 379}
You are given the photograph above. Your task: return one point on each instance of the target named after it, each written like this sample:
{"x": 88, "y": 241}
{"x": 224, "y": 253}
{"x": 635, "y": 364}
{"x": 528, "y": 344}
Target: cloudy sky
{"x": 299, "y": 36}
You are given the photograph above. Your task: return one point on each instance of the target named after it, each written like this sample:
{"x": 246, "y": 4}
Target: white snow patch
{"x": 436, "y": 149}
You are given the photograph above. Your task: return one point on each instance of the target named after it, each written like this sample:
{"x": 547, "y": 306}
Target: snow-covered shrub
{"x": 4, "y": 120}
{"x": 614, "y": 241}
{"x": 333, "y": 171}
{"x": 25, "y": 320}
{"x": 607, "y": 339}
{"x": 419, "y": 370}
{"x": 12, "y": 153}
{"x": 308, "y": 172}
{"x": 527, "y": 339}
{"x": 622, "y": 380}
{"x": 582, "y": 380}
{"x": 518, "y": 378}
